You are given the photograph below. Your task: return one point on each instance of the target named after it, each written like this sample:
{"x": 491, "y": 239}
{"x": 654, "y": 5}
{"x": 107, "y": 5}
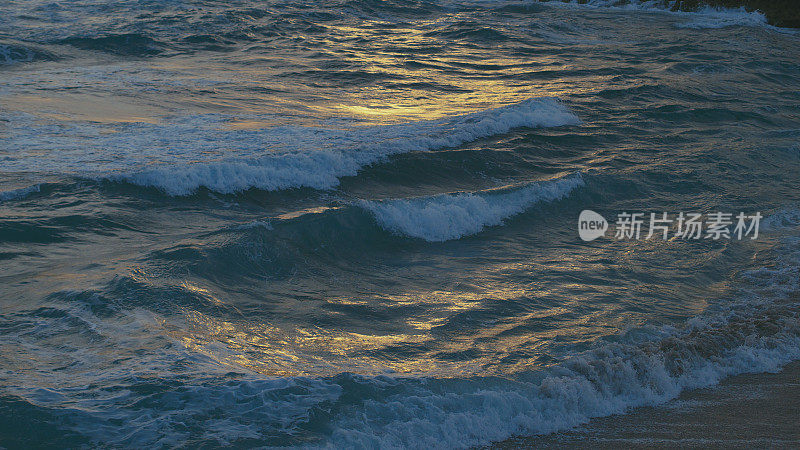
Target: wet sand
{"x": 746, "y": 411}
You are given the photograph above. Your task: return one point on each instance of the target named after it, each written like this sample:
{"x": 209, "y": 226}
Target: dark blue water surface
{"x": 354, "y": 223}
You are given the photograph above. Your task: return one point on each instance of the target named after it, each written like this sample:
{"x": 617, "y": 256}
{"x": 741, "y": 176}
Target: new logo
{"x": 591, "y": 225}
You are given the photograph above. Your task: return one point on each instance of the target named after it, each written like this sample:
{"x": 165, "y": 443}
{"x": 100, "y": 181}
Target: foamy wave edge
{"x": 758, "y": 331}
{"x": 452, "y": 216}
{"x": 703, "y": 17}
{"x": 322, "y": 168}
{"x": 19, "y": 194}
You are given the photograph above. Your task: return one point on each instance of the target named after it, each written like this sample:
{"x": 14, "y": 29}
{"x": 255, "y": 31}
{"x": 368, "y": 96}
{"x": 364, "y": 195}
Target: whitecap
{"x": 452, "y": 216}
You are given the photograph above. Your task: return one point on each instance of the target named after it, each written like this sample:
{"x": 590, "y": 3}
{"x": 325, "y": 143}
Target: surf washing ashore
{"x": 355, "y": 223}
{"x": 781, "y": 13}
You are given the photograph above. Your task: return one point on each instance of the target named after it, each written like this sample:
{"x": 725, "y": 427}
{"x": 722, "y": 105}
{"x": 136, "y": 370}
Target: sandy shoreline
{"x": 745, "y": 411}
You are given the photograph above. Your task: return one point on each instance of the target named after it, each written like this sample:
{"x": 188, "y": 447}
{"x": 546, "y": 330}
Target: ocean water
{"x": 353, "y": 223}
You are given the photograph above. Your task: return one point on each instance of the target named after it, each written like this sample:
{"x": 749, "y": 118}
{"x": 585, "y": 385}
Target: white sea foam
{"x": 758, "y": 332}
{"x": 721, "y": 18}
{"x": 338, "y": 153}
{"x": 193, "y": 152}
{"x": 18, "y": 194}
{"x": 602, "y": 384}
{"x": 451, "y": 216}
{"x": 705, "y": 17}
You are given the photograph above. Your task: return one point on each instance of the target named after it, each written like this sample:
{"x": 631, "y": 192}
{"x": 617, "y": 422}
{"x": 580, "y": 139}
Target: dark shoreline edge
{"x": 744, "y": 411}
{"x": 780, "y": 13}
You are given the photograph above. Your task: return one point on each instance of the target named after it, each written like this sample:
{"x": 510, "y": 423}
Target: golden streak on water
{"x": 275, "y": 350}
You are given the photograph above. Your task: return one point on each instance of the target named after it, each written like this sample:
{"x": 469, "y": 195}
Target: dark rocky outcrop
{"x": 781, "y": 13}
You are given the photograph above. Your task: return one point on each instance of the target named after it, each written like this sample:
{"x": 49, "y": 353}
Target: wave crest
{"x": 452, "y": 216}
{"x": 18, "y": 194}
{"x": 345, "y": 153}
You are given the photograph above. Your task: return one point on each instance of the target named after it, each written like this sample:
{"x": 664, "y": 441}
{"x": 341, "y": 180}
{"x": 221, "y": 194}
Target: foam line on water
{"x": 757, "y": 330}
{"x": 19, "y": 194}
{"x": 703, "y": 17}
{"x": 452, "y": 216}
{"x": 346, "y": 155}
{"x": 709, "y": 18}
{"x": 186, "y": 154}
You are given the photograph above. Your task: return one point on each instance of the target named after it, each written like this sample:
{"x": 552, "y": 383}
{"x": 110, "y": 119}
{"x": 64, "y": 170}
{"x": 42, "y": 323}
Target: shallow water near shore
{"x": 354, "y": 223}
{"x": 744, "y": 411}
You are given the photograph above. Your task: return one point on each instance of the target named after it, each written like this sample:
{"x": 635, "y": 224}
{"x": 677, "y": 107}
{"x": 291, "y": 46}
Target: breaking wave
{"x": 181, "y": 156}
{"x": 452, "y": 216}
{"x": 720, "y": 18}
{"x": 701, "y": 17}
{"x": 18, "y": 194}
{"x": 338, "y": 154}
{"x": 757, "y": 330}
